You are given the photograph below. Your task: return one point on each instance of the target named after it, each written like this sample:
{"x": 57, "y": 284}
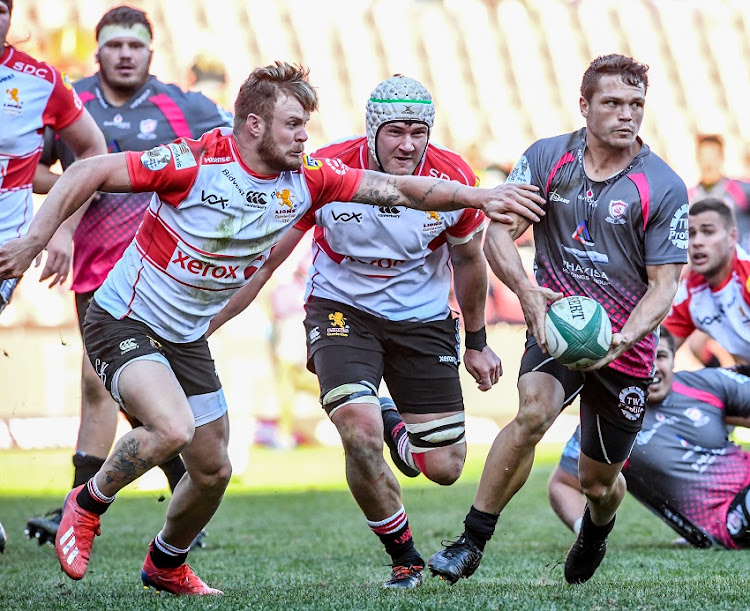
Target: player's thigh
{"x": 134, "y": 370}
{"x": 421, "y": 368}
{"x": 612, "y": 408}
{"x": 545, "y": 387}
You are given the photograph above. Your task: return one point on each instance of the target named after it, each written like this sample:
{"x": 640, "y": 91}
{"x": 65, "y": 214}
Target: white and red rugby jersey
{"x": 210, "y": 225}
{"x": 34, "y": 95}
{"x": 723, "y": 313}
{"x": 391, "y": 262}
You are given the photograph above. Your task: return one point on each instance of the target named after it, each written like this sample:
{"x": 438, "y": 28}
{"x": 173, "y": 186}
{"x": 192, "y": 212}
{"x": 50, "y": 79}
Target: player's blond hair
{"x": 258, "y": 94}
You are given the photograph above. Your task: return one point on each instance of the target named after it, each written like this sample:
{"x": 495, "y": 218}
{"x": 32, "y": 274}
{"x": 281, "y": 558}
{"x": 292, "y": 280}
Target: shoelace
{"x": 91, "y": 521}
{"x": 401, "y": 572}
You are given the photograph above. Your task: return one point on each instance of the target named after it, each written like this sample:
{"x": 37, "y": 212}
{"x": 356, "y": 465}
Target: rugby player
{"x": 220, "y": 204}
{"x": 377, "y": 308}
{"x": 615, "y": 231}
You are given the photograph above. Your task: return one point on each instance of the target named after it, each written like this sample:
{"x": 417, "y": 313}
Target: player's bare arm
{"x": 247, "y": 294}
{"x": 470, "y": 285}
{"x": 648, "y": 314}
{"x": 505, "y": 262}
{"x": 86, "y": 140}
{"x": 73, "y": 190}
{"x": 425, "y": 193}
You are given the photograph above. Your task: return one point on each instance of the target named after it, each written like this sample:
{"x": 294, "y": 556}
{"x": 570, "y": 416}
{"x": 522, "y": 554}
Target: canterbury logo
{"x": 68, "y": 543}
{"x": 255, "y": 197}
{"x": 337, "y": 319}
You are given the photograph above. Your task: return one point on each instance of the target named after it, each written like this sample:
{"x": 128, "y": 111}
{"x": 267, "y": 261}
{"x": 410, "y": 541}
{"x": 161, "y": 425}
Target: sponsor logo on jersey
{"x": 148, "y": 127}
{"x": 337, "y": 166}
{"x": 383, "y": 262}
{"x": 310, "y": 163}
{"x": 338, "y": 325}
{"x": 117, "y": 122}
{"x": 697, "y": 417}
{"x": 388, "y": 211}
{"x": 156, "y": 159}
{"x": 346, "y": 217}
{"x": 554, "y": 197}
{"x": 39, "y": 71}
{"x": 12, "y": 104}
{"x": 228, "y": 175}
{"x": 314, "y": 335}
{"x": 204, "y": 268}
{"x": 214, "y": 200}
{"x": 521, "y": 173}
{"x": 183, "y": 156}
{"x": 617, "y": 210}
{"x": 256, "y": 199}
{"x": 632, "y": 402}
{"x": 127, "y": 345}
{"x": 589, "y": 199}
{"x": 678, "y": 228}
{"x": 582, "y": 234}
{"x": 448, "y": 359}
{"x": 100, "y": 367}
{"x": 585, "y": 272}
{"x": 215, "y": 159}
{"x": 587, "y": 255}
{"x": 154, "y": 343}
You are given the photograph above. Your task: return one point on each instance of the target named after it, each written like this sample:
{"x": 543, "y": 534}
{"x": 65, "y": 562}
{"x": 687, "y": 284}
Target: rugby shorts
{"x": 418, "y": 360}
{"x": 111, "y": 344}
{"x": 612, "y": 403}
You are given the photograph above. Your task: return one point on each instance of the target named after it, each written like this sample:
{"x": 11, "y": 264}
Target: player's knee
{"x": 445, "y": 467}
{"x": 362, "y": 440}
{"x": 174, "y": 436}
{"x": 597, "y": 490}
{"x": 214, "y": 477}
{"x": 534, "y": 419}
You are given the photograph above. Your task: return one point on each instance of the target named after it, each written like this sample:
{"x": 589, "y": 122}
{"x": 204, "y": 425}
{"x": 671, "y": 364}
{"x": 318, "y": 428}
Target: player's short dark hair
{"x": 632, "y": 72}
{"x": 716, "y": 139}
{"x": 258, "y": 94}
{"x": 124, "y": 15}
{"x": 667, "y": 337}
{"x": 713, "y": 204}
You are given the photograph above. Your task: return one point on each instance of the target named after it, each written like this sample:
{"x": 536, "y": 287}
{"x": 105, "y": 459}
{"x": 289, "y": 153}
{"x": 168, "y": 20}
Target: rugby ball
{"x": 578, "y": 330}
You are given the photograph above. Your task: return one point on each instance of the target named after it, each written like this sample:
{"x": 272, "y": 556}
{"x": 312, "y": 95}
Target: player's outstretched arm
{"x": 648, "y": 314}
{"x": 79, "y": 182}
{"x": 505, "y": 262}
{"x": 247, "y": 294}
{"x": 470, "y": 284}
{"x": 425, "y": 193}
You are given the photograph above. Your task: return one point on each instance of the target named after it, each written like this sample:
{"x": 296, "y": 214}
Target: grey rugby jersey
{"x": 598, "y": 237}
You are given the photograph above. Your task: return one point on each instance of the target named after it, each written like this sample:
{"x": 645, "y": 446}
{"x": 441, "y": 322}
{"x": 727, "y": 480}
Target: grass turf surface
{"x": 286, "y": 538}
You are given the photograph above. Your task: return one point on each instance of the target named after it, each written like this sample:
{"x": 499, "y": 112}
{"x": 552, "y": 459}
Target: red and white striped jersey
{"x": 723, "y": 312}
{"x": 210, "y": 225}
{"x": 389, "y": 261}
{"x": 34, "y": 95}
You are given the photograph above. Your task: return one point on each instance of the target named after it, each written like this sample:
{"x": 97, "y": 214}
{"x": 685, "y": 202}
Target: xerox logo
{"x": 202, "y": 268}
{"x": 214, "y": 200}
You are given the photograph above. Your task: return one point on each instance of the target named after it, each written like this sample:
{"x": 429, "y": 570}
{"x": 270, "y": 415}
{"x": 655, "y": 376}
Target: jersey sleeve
{"x": 667, "y": 223}
{"x": 170, "y": 171}
{"x": 528, "y": 170}
{"x": 307, "y": 221}
{"x": 679, "y": 322}
{"x": 329, "y": 180}
{"x": 64, "y": 106}
{"x": 470, "y": 222}
{"x": 737, "y": 392}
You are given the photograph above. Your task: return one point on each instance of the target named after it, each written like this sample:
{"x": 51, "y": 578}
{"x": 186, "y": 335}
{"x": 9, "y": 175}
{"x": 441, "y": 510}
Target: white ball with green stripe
{"x": 578, "y": 330}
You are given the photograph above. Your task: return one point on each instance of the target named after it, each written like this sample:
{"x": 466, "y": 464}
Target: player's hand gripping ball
{"x": 578, "y": 330}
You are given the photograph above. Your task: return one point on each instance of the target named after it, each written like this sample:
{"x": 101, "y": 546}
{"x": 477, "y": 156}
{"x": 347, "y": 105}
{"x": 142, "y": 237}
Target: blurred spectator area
{"x": 503, "y": 72}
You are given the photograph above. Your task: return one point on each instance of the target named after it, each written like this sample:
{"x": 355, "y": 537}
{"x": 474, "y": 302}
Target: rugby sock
{"x": 479, "y": 526}
{"x": 85, "y": 467}
{"x": 591, "y": 529}
{"x": 91, "y": 499}
{"x": 166, "y": 556}
{"x": 394, "y": 423}
{"x": 174, "y": 469}
{"x": 395, "y": 534}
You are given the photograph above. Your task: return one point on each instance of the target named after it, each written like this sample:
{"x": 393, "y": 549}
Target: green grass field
{"x": 289, "y": 536}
